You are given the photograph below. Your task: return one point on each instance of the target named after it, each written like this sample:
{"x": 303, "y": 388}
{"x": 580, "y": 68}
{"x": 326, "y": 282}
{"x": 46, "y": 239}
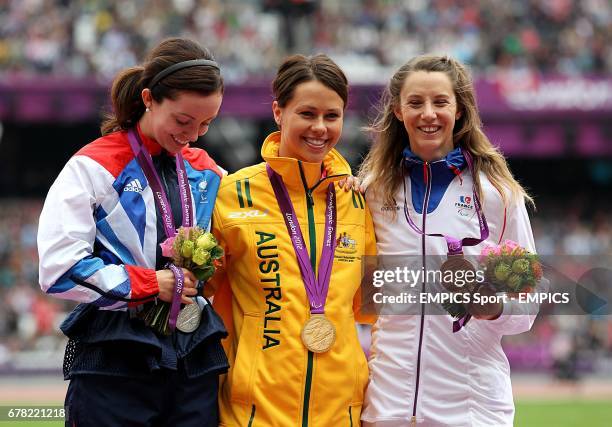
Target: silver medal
{"x": 189, "y": 318}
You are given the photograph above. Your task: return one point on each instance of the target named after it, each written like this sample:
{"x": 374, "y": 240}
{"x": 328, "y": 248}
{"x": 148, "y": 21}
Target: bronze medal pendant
{"x": 318, "y": 334}
{"x": 450, "y": 268}
{"x": 189, "y": 318}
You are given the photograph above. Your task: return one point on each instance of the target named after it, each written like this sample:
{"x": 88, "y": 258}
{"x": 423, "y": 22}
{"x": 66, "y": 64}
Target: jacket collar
{"x": 454, "y": 159}
{"x": 443, "y": 171}
{"x": 152, "y": 146}
{"x": 294, "y": 172}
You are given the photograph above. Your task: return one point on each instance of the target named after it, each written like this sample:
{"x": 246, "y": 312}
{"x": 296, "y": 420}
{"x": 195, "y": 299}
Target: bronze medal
{"x": 454, "y": 264}
{"x": 318, "y": 334}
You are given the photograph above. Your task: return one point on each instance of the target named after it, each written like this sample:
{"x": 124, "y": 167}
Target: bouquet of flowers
{"x": 191, "y": 248}
{"x": 511, "y": 268}
{"x": 508, "y": 268}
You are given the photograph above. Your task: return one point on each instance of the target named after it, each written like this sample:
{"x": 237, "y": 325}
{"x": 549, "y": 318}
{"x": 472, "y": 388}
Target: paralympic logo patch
{"x": 464, "y": 206}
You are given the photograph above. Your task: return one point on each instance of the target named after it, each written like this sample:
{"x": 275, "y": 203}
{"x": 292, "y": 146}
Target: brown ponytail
{"x": 127, "y": 87}
{"x": 127, "y": 101}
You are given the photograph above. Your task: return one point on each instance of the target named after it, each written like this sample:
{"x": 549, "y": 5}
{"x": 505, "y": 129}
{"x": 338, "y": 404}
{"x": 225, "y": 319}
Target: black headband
{"x": 179, "y": 66}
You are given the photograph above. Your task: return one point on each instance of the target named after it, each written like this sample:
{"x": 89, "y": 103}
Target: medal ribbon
{"x": 161, "y": 200}
{"x": 455, "y": 245}
{"x": 179, "y": 281}
{"x": 316, "y": 287}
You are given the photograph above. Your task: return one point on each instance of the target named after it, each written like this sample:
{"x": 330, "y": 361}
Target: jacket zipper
{"x": 313, "y": 261}
{"x": 427, "y": 171}
{"x": 252, "y": 418}
{"x": 162, "y": 169}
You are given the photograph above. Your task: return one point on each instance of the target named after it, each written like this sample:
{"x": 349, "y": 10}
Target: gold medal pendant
{"x": 318, "y": 334}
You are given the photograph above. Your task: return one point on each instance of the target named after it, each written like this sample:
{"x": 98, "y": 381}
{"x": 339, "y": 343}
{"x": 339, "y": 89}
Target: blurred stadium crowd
{"x": 85, "y": 37}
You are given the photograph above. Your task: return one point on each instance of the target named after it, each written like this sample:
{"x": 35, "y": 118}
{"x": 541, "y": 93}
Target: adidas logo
{"x": 134, "y": 186}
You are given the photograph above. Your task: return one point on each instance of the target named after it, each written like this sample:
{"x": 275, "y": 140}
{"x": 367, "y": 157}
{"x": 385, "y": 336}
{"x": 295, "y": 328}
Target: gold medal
{"x": 449, "y": 270}
{"x": 318, "y": 334}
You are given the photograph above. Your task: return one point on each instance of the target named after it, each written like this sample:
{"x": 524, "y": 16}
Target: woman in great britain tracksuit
{"x": 98, "y": 242}
{"x": 294, "y": 244}
{"x": 428, "y": 168}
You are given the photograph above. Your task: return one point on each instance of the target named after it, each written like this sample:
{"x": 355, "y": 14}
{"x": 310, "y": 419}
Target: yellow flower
{"x": 206, "y": 241}
{"x": 187, "y": 249}
{"x": 200, "y": 256}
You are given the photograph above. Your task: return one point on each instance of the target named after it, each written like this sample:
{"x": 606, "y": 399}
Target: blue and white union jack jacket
{"x": 97, "y": 237}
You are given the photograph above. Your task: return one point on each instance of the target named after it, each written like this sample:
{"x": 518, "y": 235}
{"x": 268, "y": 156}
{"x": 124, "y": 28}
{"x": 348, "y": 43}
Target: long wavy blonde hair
{"x": 382, "y": 169}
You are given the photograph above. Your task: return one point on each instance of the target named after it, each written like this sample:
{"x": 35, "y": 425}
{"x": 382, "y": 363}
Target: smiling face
{"x": 174, "y": 123}
{"x": 428, "y": 109}
{"x": 310, "y": 122}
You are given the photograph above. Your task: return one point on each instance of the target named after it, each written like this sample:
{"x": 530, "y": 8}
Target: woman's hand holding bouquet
{"x": 197, "y": 255}
{"x": 509, "y": 269}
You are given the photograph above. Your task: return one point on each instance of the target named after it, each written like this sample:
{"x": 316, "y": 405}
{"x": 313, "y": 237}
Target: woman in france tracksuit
{"x": 426, "y": 173}
{"x": 100, "y": 228}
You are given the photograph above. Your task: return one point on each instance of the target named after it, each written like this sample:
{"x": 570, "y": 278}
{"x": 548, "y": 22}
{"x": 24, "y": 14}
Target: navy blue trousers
{"x": 166, "y": 398}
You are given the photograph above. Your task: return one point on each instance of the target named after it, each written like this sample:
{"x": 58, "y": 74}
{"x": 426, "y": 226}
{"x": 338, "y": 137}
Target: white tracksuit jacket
{"x": 420, "y": 371}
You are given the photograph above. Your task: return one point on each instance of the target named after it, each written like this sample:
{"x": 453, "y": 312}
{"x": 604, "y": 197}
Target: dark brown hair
{"x": 128, "y": 85}
{"x": 298, "y": 69}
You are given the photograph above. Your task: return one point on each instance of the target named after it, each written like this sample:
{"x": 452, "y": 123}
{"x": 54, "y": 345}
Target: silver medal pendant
{"x": 189, "y": 318}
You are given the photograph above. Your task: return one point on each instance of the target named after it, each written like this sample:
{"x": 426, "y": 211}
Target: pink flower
{"x": 510, "y": 245}
{"x": 167, "y": 247}
{"x": 484, "y": 254}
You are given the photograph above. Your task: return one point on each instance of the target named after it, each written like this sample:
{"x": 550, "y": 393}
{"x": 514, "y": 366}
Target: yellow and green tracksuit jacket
{"x": 273, "y": 379}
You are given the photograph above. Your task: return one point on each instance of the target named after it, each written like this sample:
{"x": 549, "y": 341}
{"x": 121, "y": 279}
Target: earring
{"x": 147, "y": 110}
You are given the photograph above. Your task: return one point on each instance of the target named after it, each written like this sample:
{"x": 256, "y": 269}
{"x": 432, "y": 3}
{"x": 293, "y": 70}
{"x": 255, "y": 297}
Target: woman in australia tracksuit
{"x": 294, "y": 245}
{"x": 428, "y": 169}
{"x": 99, "y": 233}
